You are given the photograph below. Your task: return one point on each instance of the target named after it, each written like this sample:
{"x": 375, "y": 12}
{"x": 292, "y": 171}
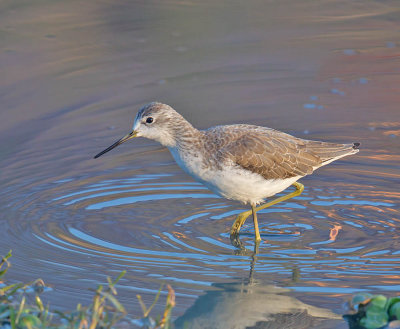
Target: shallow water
{"x": 74, "y": 74}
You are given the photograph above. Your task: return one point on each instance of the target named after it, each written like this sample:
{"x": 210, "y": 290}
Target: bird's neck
{"x": 182, "y": 136}
{"x": 186, "y": 135}
{"x": 188, "y": 150}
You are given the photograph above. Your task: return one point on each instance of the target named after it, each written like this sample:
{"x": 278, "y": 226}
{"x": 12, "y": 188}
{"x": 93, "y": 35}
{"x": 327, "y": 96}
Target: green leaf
{"x": 8, "y": 255}
{"x": 13, "y": 287}
{"x": 142, "y": 305}
{"x": 395, "y": 310}
{"x": 39, "y": 303}
{"x": 63, "y": 316}
{"x": 4, "y": 261}
{"x": 112, "y": 284}
{"x": 21, "y": 308}
{"x": 114, "y": 301}
{"x": 4, "y": 313}
{"x": 372, "y": 323}
{"x": 391, "y": 301}
{"x": 29, "y": 321}
{"x": 378, "y": 314}
{"x": 375, "y": 318}
{"x": 12, "y": 318}
{"x": 378, "y": 301}
{"x": 369, "y": 324}
{"x": 154, "y": 302}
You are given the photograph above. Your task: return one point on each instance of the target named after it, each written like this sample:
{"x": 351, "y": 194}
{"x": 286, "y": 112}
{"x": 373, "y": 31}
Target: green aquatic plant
{"x": 374, "y": 312}
{"x": 105, "y": 311}
{"x": 165, "y": 322}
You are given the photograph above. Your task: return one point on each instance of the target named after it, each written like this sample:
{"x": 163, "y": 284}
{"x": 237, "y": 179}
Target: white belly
{"x": 232, "y": 182}
{"x": 244, "y": 186}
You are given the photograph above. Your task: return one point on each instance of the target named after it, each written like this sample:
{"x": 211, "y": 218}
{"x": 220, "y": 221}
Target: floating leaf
{"x": 394, "y": 310}
{"x": 374, "y": 319}
{"x": 378, "y": 301}
{"x": 371, "y": 323}
{"x": 391, "y": 301}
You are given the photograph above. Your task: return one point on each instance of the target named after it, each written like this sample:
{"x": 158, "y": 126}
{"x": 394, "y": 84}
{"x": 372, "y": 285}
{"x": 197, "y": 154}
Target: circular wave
{"x": 161, "y": 227}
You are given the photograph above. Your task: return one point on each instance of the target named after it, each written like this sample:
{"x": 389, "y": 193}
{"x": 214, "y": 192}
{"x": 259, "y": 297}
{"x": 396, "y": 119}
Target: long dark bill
{"x": 118, "y": 142}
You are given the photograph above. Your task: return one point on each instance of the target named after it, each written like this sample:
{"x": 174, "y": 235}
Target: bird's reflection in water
{"x": 251, "y": 304}
{"x": 242, "y": 251}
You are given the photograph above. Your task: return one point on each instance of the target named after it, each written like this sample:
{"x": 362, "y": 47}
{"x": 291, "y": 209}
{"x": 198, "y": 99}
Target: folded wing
{"x": 276, "y": 155}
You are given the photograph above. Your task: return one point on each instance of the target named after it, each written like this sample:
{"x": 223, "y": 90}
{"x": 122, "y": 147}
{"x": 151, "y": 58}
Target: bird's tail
{"x": 329, "y": 152}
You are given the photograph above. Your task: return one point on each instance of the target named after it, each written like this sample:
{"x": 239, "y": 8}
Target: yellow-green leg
{"x": 241, "y": 218}
{"x": 256, "y": 231}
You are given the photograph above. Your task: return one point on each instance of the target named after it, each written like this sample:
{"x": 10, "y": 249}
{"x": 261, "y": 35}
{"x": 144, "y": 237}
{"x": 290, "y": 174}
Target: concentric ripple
{"x": 164, "y": 227}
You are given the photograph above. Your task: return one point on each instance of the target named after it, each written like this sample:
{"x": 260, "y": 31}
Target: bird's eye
{"x": 149, "y": 120}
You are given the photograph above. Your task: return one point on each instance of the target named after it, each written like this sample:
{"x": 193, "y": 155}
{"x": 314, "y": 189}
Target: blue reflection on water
{"x": 379, "y": 252}
{"x": 337, "y": 290}
{"x": 343, "y": 250}
{"x": 296, "y": 252}
{"x": 351, "y": 202}
{"x": 152, "y": 197}
{"x": 188, "y": 219}
{"x": 124, "y": 182}
{"x": 235, "y": 212}
{"x": 172, "y": 238}
{"x": 96, "y": 241}
{"x": 133, "y": 190}
{"x": 216, "y": 242}
{"x": 281, "y": 226}
{"x": 352, "y": 223}
{"x": 388, "y": 288}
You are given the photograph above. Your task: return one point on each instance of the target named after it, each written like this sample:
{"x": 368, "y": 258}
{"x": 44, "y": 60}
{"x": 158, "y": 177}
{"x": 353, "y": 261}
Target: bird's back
{"x": 271, "y": 153}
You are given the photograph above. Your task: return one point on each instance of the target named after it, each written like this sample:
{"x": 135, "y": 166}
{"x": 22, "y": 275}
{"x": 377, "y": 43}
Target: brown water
{"x": 73, "y": 74}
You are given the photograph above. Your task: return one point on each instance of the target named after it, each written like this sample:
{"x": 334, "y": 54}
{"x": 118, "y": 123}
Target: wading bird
{"x": 239, "y": 162}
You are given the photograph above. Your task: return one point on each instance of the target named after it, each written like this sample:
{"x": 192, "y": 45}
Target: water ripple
{"x": 165, "y": 227}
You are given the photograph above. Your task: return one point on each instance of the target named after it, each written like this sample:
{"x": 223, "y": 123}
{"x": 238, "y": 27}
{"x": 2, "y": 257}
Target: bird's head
{"x": 155, "y": 121}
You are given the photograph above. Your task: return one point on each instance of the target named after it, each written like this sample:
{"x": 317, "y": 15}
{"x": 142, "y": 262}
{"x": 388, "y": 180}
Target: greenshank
{"x": 239, "y": 162}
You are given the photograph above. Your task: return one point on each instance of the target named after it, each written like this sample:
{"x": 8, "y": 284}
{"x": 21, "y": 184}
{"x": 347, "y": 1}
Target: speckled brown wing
{"x": 272, "y": 154}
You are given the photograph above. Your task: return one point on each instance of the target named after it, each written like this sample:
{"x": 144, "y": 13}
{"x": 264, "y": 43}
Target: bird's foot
{"x": 239, "y": 221}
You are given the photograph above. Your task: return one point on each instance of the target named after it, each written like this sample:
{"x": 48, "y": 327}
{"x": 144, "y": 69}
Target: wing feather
{"x": 271, "y": 156}
{"x": 271, "y": 153}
